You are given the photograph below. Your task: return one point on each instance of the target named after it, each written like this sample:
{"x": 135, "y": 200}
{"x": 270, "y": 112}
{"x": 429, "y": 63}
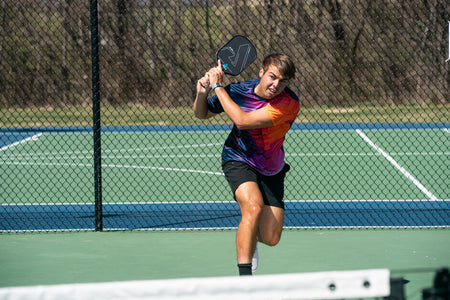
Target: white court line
{"x": 359, "y": 201}
{"x": 31, "y": 138}
{"x": 17, "y": 163}
{"x": 370, "y": 154}
{"x": 400, "y": 168}
{"x": 162, "y": 169}
{"x": 163, "y": 148}
{"x": 120, "y": 150}
{"x": 69, "y": 155}
{"x": 113, "y": 166}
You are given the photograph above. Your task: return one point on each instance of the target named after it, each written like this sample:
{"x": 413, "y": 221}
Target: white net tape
{"x": 318, "y": 285}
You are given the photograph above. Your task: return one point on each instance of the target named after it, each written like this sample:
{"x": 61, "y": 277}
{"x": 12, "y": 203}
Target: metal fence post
{"x": 96, "y": 116}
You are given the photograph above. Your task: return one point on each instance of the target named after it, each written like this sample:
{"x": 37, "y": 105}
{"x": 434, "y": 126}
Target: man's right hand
{"x": 203, "y": 85}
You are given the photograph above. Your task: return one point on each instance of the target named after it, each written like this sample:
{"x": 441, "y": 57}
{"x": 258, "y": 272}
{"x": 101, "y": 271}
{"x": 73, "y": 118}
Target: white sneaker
{"x": 255, "y": 259}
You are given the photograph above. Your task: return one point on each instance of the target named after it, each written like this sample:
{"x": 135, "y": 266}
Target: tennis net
{"x": 368, "y": 284}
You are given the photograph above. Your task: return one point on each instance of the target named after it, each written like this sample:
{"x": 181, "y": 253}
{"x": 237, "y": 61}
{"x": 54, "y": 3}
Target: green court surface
{"x": 80, "y": 257}
{"x": 143, "y": 166}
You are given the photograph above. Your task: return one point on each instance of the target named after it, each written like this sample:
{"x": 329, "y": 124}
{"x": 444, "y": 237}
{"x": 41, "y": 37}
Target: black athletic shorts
{"x": 272, "y": 187}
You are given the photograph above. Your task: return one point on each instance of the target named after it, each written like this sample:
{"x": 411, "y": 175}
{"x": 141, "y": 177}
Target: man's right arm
{"x": 200, "y": 106}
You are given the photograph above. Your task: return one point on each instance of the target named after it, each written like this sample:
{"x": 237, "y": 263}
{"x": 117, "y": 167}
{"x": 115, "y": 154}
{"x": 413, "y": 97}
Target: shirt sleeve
{"x": 283, "y": 110}
{"x": 214, "y": 105}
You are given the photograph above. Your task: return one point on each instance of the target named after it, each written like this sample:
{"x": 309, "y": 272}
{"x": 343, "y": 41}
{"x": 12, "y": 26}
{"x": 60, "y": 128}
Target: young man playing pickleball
{"x": 262, "y": 111}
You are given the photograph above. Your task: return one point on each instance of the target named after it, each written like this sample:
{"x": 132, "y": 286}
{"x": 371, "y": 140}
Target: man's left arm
{"x": 255, "y": 119}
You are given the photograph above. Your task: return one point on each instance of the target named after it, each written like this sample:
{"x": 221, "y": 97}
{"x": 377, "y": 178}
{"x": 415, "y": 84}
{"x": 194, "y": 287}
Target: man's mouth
{"x": 272, "y": 90}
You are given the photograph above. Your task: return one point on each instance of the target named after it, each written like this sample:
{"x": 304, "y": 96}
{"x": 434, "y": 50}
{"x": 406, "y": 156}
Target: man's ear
{"x": 261, "y": 72}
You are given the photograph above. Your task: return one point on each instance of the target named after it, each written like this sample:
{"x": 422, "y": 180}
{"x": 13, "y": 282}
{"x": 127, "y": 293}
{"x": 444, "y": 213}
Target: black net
{"x": 370, "y": 146}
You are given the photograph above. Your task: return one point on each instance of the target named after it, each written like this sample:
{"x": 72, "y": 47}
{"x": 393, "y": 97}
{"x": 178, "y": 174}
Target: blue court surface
{"x": 206, "y": 215}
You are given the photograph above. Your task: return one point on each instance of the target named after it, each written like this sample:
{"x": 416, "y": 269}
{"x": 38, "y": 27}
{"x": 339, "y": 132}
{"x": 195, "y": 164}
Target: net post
{"x": 96, "y": 115}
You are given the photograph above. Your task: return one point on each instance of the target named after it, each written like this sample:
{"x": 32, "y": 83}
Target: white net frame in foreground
{"x": 371, "y": 283}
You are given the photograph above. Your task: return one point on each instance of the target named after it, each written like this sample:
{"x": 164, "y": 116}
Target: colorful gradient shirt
{"x": 261, "y": 148}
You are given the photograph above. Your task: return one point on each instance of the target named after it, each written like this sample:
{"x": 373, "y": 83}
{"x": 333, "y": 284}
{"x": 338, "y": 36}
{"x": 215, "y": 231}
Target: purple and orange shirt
{"x": 261, "y": 148}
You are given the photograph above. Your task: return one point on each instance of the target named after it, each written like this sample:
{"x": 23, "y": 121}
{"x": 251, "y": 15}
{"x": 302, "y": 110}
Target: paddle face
{"x": 236, "y": 55}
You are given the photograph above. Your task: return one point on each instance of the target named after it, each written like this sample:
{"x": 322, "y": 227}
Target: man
{"x": 262, "y": 111}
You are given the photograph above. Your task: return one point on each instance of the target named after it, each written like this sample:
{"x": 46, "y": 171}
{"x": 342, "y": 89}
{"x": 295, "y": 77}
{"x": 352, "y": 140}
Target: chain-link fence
{"x": 370, "y": 146}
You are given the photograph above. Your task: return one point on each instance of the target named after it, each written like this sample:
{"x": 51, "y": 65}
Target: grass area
{"x": 147, "y": 115}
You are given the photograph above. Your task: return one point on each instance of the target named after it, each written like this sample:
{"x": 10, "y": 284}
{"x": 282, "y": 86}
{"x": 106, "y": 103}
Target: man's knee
{"x": 271, "y": 239}
{"x": 251, "y": 211}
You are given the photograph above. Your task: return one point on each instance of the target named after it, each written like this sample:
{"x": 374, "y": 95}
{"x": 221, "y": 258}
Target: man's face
{"x": 272, "y": 83}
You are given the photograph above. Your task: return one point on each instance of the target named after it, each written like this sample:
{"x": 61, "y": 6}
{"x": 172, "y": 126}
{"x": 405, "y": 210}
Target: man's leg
{"x": 270, "y": 225}
{"x": 269, "y": 233}
{"x": 259, "y": 222}
{"x": 251, "y": 204}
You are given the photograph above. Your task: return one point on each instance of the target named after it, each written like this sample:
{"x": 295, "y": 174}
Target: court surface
{"x": 347, "y": 175}
{"x": 411, "y": 198}
{"x": 81, "y": 257}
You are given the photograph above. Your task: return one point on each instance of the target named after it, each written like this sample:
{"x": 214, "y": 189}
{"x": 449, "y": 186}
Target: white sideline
{"x": 400, "y": 168}
{"x": 31, "y": 138}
